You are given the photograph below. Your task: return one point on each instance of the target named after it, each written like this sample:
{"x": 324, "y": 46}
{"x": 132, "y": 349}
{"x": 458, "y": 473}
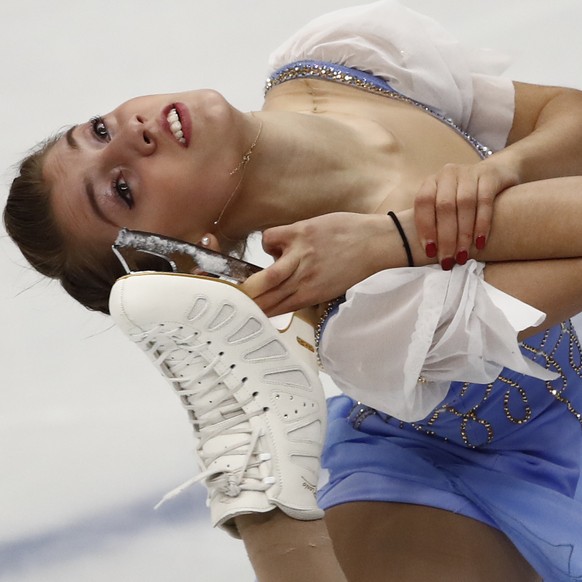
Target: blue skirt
{"x": 507, "y": 454}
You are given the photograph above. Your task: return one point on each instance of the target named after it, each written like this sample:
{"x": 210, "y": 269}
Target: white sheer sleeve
{"x": 418, "y": 58}
{"x": 403, "y": 335}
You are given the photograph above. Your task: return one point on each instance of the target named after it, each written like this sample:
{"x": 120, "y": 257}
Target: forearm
{"x": 535, "y": 248}
{"x": 538, "y": 220}
{"x": 320, "y": 258}
{"x": 554, "y": 287}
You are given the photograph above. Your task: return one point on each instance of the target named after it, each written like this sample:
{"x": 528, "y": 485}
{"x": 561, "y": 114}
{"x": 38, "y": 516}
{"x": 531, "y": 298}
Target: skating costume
{"x": 502, "y": 443}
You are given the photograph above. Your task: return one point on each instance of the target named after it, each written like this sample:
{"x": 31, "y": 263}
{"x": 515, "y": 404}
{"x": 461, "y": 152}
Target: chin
{"x": 211, "y": 105}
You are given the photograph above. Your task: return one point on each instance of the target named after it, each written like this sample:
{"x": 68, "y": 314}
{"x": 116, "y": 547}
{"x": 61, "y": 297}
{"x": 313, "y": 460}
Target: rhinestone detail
{"x": 360, "y": 80}
{"x": 474, "y": 430}
{"x": 331, "y": 306}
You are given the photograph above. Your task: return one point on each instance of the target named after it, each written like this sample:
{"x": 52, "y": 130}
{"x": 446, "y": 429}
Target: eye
{"x": 99, "y": 128}
{"x": 123, "y": 190}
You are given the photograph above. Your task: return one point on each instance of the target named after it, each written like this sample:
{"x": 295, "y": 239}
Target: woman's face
{"x": 159, "y": 163}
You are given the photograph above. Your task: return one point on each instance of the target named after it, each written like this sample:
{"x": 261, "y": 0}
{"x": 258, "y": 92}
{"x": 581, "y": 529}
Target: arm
{"x": 546, "y": 137}
{"x": 554, "y": 287}
{"x": 320, "y": 258}
{"x": 454, "y": 208}
{"x": 535, "y": 224}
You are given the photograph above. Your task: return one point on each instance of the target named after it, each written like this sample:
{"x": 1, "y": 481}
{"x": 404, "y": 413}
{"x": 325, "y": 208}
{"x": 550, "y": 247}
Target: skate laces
{"x": 207, "y": 387}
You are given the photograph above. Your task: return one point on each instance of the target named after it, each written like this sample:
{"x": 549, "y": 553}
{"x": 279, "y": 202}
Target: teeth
{"x": 176, "y": 125}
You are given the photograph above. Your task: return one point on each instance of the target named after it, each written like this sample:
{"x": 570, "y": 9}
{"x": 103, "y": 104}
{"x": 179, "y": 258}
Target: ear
{"x": 210, "y": 241}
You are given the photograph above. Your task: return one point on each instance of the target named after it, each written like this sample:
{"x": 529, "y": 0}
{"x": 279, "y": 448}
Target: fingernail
{"x": 480, "y": 242}
{"x": 462, "y": 257}
{"x": 447, "y": 263}
{"x": 430, "y": 249}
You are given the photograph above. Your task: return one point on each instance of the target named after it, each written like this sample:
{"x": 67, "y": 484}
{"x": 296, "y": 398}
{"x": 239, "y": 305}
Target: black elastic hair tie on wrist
{"x": 405, "y": 243}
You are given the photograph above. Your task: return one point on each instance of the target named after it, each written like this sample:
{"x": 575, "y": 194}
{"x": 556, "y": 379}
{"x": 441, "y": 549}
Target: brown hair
{"x": 30, "y": 223}
{"x": 86, "y": 275}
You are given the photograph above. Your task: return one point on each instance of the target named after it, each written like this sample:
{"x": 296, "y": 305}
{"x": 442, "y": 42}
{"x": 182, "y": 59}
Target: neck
{"x": 303, "y": 166}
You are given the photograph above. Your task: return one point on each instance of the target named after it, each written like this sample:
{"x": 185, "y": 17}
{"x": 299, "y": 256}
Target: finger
{"x": 446, "y": 213}
{"x": 296, "y": 292}
{"x": 276, "y": 239}
{"x": 425, "y": 217}
{"x": 284, "y": 304}
{"x": 486, "y": 196}
{"x": 270, "y": 278}
{"x": 273, "y": 249}
{"x": 291, "y": 298}
{"x": 276, "y": 302}
{"x": 466, "y": 212}
{"x": 256, "y": 284}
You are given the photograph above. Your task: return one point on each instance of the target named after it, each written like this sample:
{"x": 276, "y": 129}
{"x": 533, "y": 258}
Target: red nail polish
{"x": 430, "y": 250}
{"x": 447, "y": 263}
{"x": 480, "y": 242}
{"x": 462, "y": 257}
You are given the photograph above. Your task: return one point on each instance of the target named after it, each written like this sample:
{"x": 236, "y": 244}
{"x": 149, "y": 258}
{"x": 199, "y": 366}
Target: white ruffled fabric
{"x": 418, "y": 58}
{"x": 403, "y": 335}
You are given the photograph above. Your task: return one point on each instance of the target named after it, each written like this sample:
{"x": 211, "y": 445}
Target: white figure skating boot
{"x": 252, "y": 392}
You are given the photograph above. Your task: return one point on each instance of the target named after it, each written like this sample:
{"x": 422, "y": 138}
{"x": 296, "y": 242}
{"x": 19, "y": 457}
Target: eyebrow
{"x": 89, "y": 188}
{"x": 73, "y": 144}
{"x": 90, "y": 191}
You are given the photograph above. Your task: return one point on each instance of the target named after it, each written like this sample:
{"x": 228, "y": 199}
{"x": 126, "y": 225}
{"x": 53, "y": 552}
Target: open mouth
{"x": 176, "y": 125}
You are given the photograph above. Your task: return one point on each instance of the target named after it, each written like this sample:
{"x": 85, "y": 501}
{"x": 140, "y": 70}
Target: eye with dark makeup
{"x": 119, "y": 185}
{"x": 99, "y": 128}
{"x": 122, "y": 189}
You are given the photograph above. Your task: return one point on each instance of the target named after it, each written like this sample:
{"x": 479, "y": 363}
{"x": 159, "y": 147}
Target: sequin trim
{"x": 471, "y": 424}
{"x": 332, "y": 306}
{"x": 359, "y": 413}
{"x": 467, "y": 418}
{"x": 550, "y": 363}
{"x": 361, "y": 80}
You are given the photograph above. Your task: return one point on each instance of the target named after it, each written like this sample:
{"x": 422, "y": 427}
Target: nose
{"x": 135, "y": 137}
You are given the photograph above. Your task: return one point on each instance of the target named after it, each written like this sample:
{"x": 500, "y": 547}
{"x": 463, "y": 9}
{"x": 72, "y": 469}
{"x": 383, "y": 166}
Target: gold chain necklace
{"x": 241, "y": 167}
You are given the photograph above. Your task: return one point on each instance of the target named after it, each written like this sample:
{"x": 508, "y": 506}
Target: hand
{"x": 453, "y": 208}
{"x": 317, "y": 260}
